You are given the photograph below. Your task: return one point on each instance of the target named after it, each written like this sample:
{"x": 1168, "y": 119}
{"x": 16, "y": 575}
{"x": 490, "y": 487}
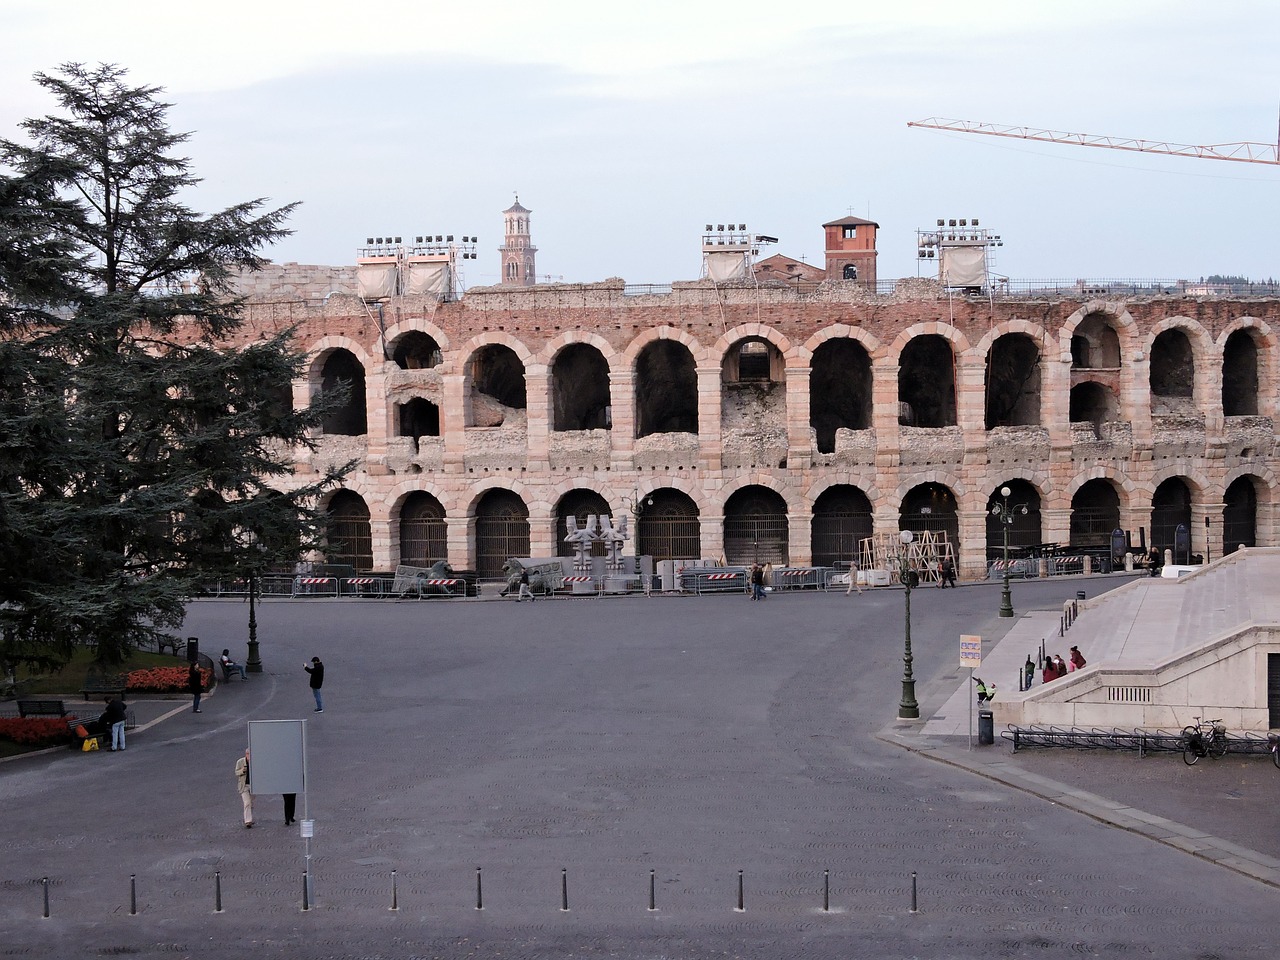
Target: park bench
{"x": 99, "y": 683}
{"x": 41, "y": 708}
{"x": 178, "y": 646}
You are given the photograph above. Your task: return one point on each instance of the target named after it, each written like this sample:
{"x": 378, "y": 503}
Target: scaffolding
{"x": 925, "y": 554}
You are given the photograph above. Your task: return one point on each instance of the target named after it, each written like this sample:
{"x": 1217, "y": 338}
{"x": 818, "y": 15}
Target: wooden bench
{"x": 41, "y": 708}
{"x": 100, "y": 684}
{"x": 179, "y": 647}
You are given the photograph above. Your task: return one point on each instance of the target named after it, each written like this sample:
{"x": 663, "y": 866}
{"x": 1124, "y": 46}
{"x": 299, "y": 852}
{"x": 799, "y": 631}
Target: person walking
{"x": 316, "y": 669}
{"x": 524, "y": 587}
{"x": 114, "y": 718}
{"x": 948, "y": 572}
{"x": 195, "y": 684}
{"x": 242, "y": 784}
{"x": 290, "y": 806}
{"x": 1029, "y": 671}
{"x": 854, "y": 583}
{"x": 757, "y": 582}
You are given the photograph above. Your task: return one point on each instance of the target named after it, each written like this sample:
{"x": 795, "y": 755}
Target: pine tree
{"x": 143, "y": 452}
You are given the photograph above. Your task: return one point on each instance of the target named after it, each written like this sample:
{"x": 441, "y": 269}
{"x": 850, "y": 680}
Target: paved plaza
{"x": 570, "y": 747}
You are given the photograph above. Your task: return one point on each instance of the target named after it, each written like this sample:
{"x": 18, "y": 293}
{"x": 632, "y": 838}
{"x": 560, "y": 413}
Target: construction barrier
{"x": 800, "y": 578}
{"x": 702, "y": 580}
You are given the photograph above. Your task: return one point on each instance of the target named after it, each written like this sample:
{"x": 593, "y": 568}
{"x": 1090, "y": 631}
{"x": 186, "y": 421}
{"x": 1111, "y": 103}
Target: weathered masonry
{"x": 756, "y": 421}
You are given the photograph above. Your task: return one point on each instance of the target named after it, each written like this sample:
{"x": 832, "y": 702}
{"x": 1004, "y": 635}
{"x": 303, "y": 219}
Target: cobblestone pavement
{"x": 575, "y": 746}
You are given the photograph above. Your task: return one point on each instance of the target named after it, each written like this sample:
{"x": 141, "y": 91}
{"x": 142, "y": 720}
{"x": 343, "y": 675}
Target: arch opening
{"x": 1240, "y": 515}
{"x": 1095, "y": 513}
{"x": 755, "y": 527}
{"x": 668, "y": 527}
{"x": 1240, "y": 375}
{"x": 580, "y": 389}
{"x": 666, "y": 389}
{"x": 1013, "y": 382}
{"x": 424, "y": 535}
{"x": 927, "y": 383}
{"x": 842, "y": 519}
{"x": 1024, "y": 531}
{"x": 497, "y": 387}
{"x": 416, "y": 351}
{"x": 840, "y": 382}
{"x": 350, "y": 538}
{"x": 502, "y": 531}
{"x": 342, "y": 374}
{"x": 580, "y": 504}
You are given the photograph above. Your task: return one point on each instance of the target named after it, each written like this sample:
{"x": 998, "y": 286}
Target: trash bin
{"x": 986, "y": 727}
{"x": 1079, "y": 594}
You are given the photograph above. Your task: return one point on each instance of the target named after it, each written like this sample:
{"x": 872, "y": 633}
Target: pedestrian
{"x": 228, "y": 664}
{"x": 316, "y": 669}
{"x": 985, "y": 693}
{"x": 1050, "y": 671}
{"x": 242, "y": 784}
{"x": 854, "y": 582}
{"x": 757, "y": 582}
{"x": 948, "y": 572}
{"x": 1059, "y": 665}
{"x": 290, "y": 805}
{"x": 113, "y": 718}
{"x": 1029, "y": 669}
{"x": 195, "y": 684}
{"x": 524, "y": 586}
{"x": 1077, "y": 658}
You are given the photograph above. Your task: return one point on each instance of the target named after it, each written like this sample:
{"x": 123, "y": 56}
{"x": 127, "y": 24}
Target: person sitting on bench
{"x": 228, "y": 665}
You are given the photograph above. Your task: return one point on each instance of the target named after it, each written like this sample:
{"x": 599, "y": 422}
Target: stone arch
{"x": 1241, "y": 498}
{"x": 349, "y": 539}
{"x": 666, "y": 388}
{"x": 756, "y": 528}
{"x": 928, "y": 505}
{"x": 701, "y": 356}
{"x": 753, "y": 330}
{"x": 495, "y": 378}
{"x": 580, "y": 502}
{"x": 1012, "y": 379}
{"x": 959, "y": 342}
{"x": 1115, "y": 315}
{"x": 1093, "y": 402}
{"x": 1097, "y": 510}
{"x": 841, "y": 517}
{"x": 1172, "y": 500}
{"x": 670, "y": 525}
{"x": 326, "y": 345}
{"x": 938, "y": 477}
{"x": 502, "y": 529}
{"x": 864, "y": 480}
{"x": 1103, "y": 472}
{"x": 839, "y": 331}
{"x": 581, "y": 398}
{"x": 1179, "y": 357}
{"x": 1028, "y": 328}
{"x": 1023, "y": 528}
{"x": 790, "y": 496}
{"x": 419, "y": 325}
{"x": 340, "y": 369}
{"x": 420, "y": 520}
{"x": 928, "y": 385}
{"x": 841, "y": 389}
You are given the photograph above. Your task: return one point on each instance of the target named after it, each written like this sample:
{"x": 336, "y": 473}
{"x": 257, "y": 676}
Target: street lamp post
{"x": 253, "y": 663}
{"x": 908, "y": 708}
{"x": 1006, "y": 515}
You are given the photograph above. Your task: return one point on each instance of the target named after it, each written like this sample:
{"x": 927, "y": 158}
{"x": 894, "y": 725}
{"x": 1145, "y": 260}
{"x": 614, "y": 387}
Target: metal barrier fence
{"x": 800, "y": 578}
{"x": 700, "y": 580}
{"x": 1144, "y": 741}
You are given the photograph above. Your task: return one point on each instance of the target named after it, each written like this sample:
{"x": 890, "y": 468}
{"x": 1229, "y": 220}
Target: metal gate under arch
{"x": 497, "y": 540}
{"x": 756, "y": 539}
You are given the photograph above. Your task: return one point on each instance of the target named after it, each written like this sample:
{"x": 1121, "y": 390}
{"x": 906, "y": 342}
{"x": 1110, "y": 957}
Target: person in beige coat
{"x": 242, "y": 784}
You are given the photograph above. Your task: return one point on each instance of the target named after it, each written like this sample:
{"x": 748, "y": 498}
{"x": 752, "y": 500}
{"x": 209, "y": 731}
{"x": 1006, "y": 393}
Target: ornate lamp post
{"x": 253, "y": 662}
{"x": 1006, "y": 515}
{"x": 908, "y": 709}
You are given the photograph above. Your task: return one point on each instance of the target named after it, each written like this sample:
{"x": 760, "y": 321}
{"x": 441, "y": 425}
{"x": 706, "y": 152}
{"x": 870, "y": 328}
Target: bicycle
{"x": 1205, "y": 738}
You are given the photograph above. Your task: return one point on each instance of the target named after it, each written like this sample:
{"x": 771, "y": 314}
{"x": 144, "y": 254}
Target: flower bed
{"x": 162, "y": 680}
{"x": 36, "y": 732}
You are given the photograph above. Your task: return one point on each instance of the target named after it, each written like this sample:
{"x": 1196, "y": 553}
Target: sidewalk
{"x": 1122, "y": 787}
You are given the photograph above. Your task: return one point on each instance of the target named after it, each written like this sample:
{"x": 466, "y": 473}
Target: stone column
{"x": 537, "y": 383}
{"x": 542, "y": 532}
{"x": 454, "y": 414}
{"x": 1207, "y": 540}
{"x": 799, "y": 437}
{"x": 884, "y": 414}
{"x": 800, "y": 540}
{"x": 461, "y": 542}
{"x": 709, "y": 435}
{"x": 379, "y": 420}
{"x": 972, "y": 562}
{"x": 711, "y": 530}
{"x": 622, "y": 437}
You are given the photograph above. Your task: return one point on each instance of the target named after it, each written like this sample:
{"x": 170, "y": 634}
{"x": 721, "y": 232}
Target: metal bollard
{"x": 306, "y": 893}
{"x": 741, "y": 908}
{"x": 826, "y": 891}
{"x": 913, "y": 892}
{"x": 652, "y": 891}
{"x": 479, "y": 893}
{"x": 395, "y": 902}
{"x": 45, "y": 883}
{"x": 564, "y": 890}
{"x": 133, "y": 894}
{"x": 217, "y": 891}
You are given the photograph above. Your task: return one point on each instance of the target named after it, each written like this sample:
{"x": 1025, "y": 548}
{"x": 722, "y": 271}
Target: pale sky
{"x": 626, "y": 127}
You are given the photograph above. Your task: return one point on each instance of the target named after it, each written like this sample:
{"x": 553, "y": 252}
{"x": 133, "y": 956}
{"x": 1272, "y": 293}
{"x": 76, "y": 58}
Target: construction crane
{"x": 1246, "y": 152}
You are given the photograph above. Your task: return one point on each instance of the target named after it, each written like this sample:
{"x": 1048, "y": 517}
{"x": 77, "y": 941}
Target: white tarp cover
{"x": 723, "y": 265}
{"x": 963, "y": 266}
{"x": 377, "y": 279}
{"x": 429, "y": 277}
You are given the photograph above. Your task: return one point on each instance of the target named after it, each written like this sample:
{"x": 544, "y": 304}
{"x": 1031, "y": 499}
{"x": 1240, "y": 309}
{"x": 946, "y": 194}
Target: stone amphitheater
{"x": 782, "y": 421}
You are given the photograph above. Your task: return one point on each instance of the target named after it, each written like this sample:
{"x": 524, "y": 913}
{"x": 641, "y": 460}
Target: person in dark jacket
{"x": 195, "y": 684}
{"x": 316, "y": 669}
{"x": 1077, "y": 658}
{"x": 113, "y": 718}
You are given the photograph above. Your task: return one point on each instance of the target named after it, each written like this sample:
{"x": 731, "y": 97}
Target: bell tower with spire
{"x": 517, "y": 248}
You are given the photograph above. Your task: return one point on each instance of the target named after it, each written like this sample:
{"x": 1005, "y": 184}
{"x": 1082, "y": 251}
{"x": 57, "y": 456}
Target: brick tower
{"x": 517, "y": 248}
{"x": 851, "y": 250}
